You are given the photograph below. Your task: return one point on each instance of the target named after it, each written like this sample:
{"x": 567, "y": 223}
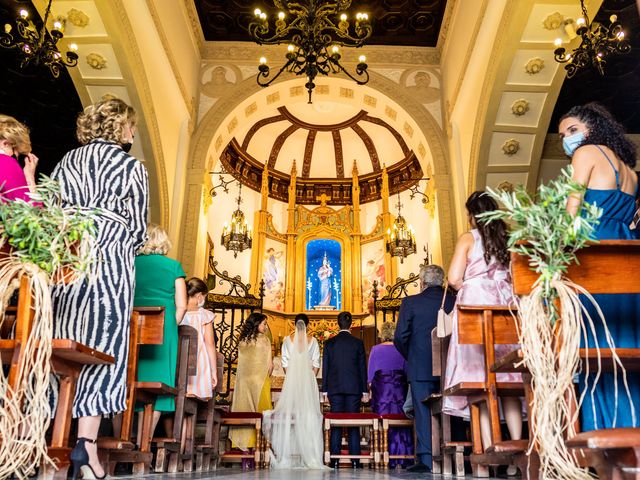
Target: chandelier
{"x": 401, "y": 241}
{"x": 237, "y": 236}
{"x": 315, "y": 31}
{"x": 598, "y": 42}
{"x": 39, "y": 47}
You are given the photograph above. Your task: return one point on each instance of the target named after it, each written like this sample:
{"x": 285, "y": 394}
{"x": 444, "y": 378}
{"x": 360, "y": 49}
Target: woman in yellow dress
{"x": 252, "y": 392}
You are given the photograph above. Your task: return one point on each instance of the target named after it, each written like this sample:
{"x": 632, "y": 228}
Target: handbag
{"x": 445, "y": 320}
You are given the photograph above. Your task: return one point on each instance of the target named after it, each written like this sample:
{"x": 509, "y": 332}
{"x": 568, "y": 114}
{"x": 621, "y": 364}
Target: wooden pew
{"x": 609, "y": 451}
{"x": 489, "y": 326}
{"x": 67, "y": 360}
{"x": 147, "y": 328}
{"x": 448, "y": 456}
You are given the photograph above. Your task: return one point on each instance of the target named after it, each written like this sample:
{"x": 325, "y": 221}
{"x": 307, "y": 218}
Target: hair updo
{"x": 106, "y": 120}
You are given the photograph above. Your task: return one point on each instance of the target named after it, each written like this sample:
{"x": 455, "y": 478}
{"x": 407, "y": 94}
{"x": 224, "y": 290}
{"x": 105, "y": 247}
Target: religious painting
{"x": 373, "y": 270}
{"x": 324, "y": 275}
{"x": 273, "y": 274}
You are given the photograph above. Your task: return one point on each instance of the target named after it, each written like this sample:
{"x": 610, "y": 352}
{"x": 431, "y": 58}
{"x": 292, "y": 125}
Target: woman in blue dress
{"x": 603, "y": 160}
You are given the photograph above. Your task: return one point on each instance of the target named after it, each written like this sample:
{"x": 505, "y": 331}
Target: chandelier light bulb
{"x": 365, "y": 16}
{"x": 57, "y": 25}
{"x": 290, "y": 48}
{"x": 263, "y": 60}
{"x": 24, "y": 14}
{"x": 343, "y": 17}
{"x": 7, "y": 28}
{"x": 281, "y": 15}
{"x": 257, "y": 12}
{"x": 558, "y": 42}
{"x": 620, "y": 35}
{"x": 358, "y": 16}
{"x": 581, "y": 22}
{"x": 263, "y": 16}
{"x": 362, "y": 59}
{"x": 73, "y": 47}
{"x": 613, "y": 18}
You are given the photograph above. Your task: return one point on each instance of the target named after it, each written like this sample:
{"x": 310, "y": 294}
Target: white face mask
{"x": 201, "y": 303}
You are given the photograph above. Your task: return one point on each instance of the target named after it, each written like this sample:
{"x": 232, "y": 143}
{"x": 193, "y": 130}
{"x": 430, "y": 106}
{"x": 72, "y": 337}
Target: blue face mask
{"x": 572, "y": 142}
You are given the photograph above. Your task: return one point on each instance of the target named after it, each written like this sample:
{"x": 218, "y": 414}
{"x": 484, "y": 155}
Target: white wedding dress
{"x": 294, "y": 426}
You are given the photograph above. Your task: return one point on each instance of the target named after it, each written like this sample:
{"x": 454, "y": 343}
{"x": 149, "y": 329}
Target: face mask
{"x": 571, "y": 143}
{"x": 201, "y": 303}
{"x": 126, "y": 146}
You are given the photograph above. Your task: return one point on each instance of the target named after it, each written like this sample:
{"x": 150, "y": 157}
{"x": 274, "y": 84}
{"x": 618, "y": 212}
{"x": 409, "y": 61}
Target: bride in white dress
{"x": 294, "y": 426}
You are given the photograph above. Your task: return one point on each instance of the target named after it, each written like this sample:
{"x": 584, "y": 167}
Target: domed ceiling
{"x": 325, "y": 140}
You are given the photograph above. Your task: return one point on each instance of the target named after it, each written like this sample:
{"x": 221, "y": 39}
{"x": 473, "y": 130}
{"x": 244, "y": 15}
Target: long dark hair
{"x": 604, "y": 130}
{"x": 249, "y": 330}
{"x": 493, "y": 233}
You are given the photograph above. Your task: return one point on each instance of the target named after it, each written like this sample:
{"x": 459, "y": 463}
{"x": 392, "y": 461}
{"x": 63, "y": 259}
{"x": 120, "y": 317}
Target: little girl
{"x": 201, "y": 385}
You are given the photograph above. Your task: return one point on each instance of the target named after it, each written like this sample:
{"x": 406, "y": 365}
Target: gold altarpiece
{"x": 322, "y": 222}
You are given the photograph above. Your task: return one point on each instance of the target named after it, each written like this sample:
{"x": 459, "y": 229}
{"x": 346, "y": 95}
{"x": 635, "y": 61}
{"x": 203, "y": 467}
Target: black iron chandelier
{"x": 237, "y": 235}
{"x": 401, "y": 240}
{"x": 39, "y": 46}
{"x": 316, "y": 31}
{"x": 598, "y": 42}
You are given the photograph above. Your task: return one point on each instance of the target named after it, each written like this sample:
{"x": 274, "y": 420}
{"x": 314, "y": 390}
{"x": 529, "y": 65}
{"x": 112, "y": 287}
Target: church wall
{"x": 222, "y": 206}
{"x": 171, "y": 104}
{"x": 463, "y": 83}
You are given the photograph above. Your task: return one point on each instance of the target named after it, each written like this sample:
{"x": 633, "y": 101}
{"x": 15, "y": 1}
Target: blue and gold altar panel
{"x": 324, "y": 275}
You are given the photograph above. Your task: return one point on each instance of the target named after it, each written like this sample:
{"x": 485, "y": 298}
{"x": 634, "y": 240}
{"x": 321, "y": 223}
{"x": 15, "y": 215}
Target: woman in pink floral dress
{"x": 480, "y": 271}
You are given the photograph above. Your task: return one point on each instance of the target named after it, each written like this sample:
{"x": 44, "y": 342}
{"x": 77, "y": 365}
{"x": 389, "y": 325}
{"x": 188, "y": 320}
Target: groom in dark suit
{"x": 344, "y": 380}
{"x": 418, "y": 316}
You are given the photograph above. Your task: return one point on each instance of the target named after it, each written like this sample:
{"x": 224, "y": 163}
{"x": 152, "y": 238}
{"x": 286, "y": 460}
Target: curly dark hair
{"x": 250, "y": 326}
{"x": 493, "y": 233}
{"x": 604, "y": 130}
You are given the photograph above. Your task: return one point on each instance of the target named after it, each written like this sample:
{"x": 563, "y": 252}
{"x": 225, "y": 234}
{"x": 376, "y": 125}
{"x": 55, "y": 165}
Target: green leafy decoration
{"x": 543, "y": 230}
{"x": 46, "y": 233}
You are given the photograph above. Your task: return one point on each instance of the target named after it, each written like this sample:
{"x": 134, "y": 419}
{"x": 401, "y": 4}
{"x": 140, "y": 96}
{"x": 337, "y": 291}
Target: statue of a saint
{"x": 324, "y": 274}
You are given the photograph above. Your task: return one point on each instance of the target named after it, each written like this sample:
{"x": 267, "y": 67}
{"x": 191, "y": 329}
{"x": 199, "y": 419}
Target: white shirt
{"x": 314, "y": 352}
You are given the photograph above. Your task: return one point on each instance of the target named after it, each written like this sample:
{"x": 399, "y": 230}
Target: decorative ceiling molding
{"x": 257, "y": 126}
{"x": 308, "y": 152}
{"x": 248, "y": 170}
{"x": 379, "y": 55}
{"x": 277, "y": 145}
{"x": 394, "y": 132}
{"x": 520, "y": 107}
{"x": 321, "y": 127}
{"x": 395, "y": 23}
{"x": 534, "y": 66}
{"x": 337, "y": 147}
{"x": 371, "y": 148}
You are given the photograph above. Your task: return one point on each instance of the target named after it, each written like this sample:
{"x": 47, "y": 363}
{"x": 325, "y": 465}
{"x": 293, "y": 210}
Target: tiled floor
{"x": 342, "y": 474}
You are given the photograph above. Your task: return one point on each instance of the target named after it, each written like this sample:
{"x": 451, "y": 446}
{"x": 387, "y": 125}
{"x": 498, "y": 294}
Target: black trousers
{"x": 341, "y": 403}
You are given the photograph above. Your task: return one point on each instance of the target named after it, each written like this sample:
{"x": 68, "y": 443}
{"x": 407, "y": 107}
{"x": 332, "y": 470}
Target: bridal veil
{"x": 294, "y": 426}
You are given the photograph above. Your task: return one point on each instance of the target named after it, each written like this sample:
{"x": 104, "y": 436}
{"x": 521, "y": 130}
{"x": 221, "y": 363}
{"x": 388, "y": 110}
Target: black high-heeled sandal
{"x": 80, "y": 458}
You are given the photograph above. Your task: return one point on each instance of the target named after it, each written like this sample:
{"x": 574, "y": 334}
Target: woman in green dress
{"x": 160, "y": 282}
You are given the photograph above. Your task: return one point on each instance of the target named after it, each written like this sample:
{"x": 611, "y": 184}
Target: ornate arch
{"x": 213, "y": 122}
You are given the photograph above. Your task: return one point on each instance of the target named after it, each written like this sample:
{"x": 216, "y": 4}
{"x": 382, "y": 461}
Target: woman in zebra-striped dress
{"x": 102, "y": 178}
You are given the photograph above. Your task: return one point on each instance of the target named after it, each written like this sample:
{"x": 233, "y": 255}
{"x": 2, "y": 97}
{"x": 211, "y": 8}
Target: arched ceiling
{"x": 324, "y": 138}
{"x": 395, "y": 22}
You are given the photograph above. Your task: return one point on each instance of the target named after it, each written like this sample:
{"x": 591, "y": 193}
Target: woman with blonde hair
{"x": 160, "y": 281}
{"x": 16, "y": 182}
{"x": 387, "y": 380}
{"x": 112, "y": 186}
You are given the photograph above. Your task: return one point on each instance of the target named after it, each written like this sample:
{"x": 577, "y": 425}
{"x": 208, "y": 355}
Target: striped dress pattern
{"x": 101, "y": 178}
